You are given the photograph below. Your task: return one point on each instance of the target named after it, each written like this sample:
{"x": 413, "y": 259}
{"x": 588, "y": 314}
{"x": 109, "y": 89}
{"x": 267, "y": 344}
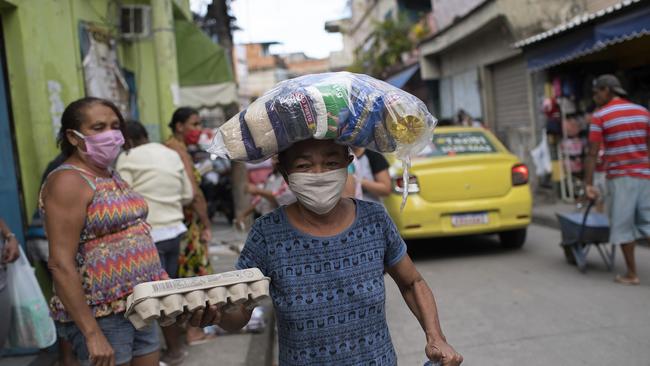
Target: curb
{"x": 546, "y": 221}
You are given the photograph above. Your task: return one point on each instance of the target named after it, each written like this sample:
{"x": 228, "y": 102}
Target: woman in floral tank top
{"x": 100, "y": 246}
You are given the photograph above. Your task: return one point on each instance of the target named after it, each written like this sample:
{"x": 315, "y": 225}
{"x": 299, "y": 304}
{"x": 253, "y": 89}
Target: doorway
{"x": 10, "y": 194}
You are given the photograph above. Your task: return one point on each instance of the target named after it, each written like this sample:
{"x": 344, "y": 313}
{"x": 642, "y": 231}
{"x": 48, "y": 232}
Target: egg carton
{"x": 166, "y": 300}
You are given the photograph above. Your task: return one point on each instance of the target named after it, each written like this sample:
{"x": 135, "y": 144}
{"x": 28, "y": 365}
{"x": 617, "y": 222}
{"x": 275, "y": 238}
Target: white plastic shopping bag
{"x": 542, "y": 157}
{"x": 31, "y": 324}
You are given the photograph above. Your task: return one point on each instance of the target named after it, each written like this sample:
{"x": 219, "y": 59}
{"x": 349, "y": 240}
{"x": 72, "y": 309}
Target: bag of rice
{"x": 352, "y": 109}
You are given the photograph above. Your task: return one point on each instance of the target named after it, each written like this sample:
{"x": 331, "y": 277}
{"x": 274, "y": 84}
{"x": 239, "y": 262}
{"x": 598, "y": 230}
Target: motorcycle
{"x": 216, "y": 183}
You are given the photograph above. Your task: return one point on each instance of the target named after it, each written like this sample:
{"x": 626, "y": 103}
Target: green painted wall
{"x": 45, "y": 73}
{"x": 42, "y": 64}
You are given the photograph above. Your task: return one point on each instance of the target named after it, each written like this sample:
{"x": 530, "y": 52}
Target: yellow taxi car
{"x": 464, "y": 183}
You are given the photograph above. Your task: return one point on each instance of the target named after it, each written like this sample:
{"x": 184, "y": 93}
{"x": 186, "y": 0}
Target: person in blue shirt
{"x": 326, "y": 257}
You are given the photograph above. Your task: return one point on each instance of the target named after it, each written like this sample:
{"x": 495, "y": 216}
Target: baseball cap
{"x": 609, "y": 81}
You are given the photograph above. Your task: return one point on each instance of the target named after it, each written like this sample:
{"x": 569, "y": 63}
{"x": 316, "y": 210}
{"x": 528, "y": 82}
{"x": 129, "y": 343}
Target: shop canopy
{"x": 558, "y": 46}
{"x": 401, "y": 78}
{"x": 204, "y": 71}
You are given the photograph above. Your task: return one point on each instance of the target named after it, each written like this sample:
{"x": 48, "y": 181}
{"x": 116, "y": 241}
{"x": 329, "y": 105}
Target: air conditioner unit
{"x": 135, "y": 21}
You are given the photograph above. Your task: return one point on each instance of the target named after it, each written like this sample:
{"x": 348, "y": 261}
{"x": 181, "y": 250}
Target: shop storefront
{"x": 564, "y": 62}
{"x": 476, "y": 70}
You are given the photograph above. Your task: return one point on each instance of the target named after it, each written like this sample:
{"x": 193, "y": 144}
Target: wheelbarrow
{"x": 581, "y": 232}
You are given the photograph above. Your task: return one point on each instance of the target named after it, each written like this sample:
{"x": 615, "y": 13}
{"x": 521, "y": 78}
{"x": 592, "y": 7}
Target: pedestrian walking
{"x": 371, "y": 172}
{"x": 274, "y": 193}
{"x": 194, "y": 261}
{"x": 99, "y": 241}
{"x": 158, "y": 174}
{"x": 326, "y": 257}
{"x": 8, "y": 254}
{"x": 623, "y": 129}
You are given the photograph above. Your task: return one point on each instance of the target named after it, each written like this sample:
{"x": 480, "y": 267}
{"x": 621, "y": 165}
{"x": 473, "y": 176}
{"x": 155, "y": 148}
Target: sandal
{"x": 204, "y": 339}
{"x": 627, "y": 281}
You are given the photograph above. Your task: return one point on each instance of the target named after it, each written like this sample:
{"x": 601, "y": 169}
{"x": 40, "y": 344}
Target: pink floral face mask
{"x": 103, "y": 148}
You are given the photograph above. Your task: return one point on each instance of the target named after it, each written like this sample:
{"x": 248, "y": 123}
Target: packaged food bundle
{"x": 352, "y": 109}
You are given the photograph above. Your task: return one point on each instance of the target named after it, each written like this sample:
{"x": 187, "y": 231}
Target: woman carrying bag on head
{"x": 326, "y": 257}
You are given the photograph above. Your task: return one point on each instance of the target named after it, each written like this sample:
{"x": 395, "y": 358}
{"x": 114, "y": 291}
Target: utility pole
{"x": 218, "y": 11}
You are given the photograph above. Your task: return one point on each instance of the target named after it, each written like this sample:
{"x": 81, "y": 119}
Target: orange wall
{"x": 257, "y": 60}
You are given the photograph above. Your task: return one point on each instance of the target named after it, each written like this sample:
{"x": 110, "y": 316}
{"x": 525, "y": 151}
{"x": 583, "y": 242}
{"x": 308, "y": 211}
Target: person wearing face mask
{"x": 326, "y": 257}
{"x": 194, "y": 261}
{"x": 100, "y": 245}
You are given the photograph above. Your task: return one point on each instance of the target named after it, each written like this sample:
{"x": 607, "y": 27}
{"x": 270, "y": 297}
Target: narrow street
{"x": 526, "y": 307}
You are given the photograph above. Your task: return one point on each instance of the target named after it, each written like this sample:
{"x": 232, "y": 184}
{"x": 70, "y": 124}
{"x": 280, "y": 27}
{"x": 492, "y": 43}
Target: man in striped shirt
{"x": 624, "y": 130}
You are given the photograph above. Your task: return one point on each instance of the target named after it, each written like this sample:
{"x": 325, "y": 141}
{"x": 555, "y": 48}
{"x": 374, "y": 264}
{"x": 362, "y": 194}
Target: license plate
{"x": 472, "y": 219}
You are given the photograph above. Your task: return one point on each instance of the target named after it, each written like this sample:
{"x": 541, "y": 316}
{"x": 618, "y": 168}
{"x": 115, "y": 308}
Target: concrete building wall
{"x": 297, "y": 67}
{"x": 364, "y": 15}
{"x": 259, "y": 82}
{"x": 258, "y": 58}
{"x": 43, "y": 77}
{"x": 490, "y": 45}
{"x": 595, "y": 5}
{"x": 474, "y": 37}
{"x": 357, "y": 29}
{"x": 527, "y": 18}
{"x": 445, "y": 12}
{"x": 263, "y": 71}
{"x": 487, "y": 32}
{"x": 472, "y": 56}
{"x": 45, "y": 72}
{"x": 241, "y": 73}
{"x": 340, "y": 60}
{"x": 297, "y": 64}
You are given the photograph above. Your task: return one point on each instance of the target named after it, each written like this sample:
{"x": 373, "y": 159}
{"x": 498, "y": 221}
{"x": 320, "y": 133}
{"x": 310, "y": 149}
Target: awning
{"x": 209, "y": 96}
{"x": 200, "y": 61}
{"x": 401, "y": 78}
{"x": 204, "y": 72}
{"x": 588, "y": 39}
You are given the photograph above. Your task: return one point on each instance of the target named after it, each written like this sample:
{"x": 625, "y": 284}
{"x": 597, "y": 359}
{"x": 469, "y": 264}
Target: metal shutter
{"x": 510, "y": 94}
{"x": 512, "y": 118}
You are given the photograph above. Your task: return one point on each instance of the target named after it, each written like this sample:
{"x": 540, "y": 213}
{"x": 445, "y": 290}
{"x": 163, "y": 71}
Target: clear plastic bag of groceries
{"x": 354, "y": 109}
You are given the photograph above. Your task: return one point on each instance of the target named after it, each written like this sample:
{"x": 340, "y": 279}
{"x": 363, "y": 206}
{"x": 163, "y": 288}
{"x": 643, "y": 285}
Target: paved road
{"x": 526, "y": 307}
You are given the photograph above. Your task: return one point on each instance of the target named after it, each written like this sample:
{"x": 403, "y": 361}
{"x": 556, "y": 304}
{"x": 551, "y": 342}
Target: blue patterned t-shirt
{"x": 328, "y": 292}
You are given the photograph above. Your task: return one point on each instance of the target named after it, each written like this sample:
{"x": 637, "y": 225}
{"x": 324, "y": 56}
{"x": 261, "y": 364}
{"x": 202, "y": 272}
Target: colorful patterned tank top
{"x": 116, "y": 251}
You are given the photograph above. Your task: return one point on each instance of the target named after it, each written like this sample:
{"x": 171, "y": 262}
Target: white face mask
{"x": 319, "y": 192}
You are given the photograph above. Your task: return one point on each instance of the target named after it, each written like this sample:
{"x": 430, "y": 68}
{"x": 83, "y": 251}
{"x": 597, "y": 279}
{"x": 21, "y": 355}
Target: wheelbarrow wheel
{"x": 568, "y": 255}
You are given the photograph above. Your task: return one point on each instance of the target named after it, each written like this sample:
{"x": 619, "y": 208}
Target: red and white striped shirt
{"x": 624, "y": 129}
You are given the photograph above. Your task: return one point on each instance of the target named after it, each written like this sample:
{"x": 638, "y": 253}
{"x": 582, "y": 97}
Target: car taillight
{"x": 519, "y": 175}
{"x": 413, "y": 186}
